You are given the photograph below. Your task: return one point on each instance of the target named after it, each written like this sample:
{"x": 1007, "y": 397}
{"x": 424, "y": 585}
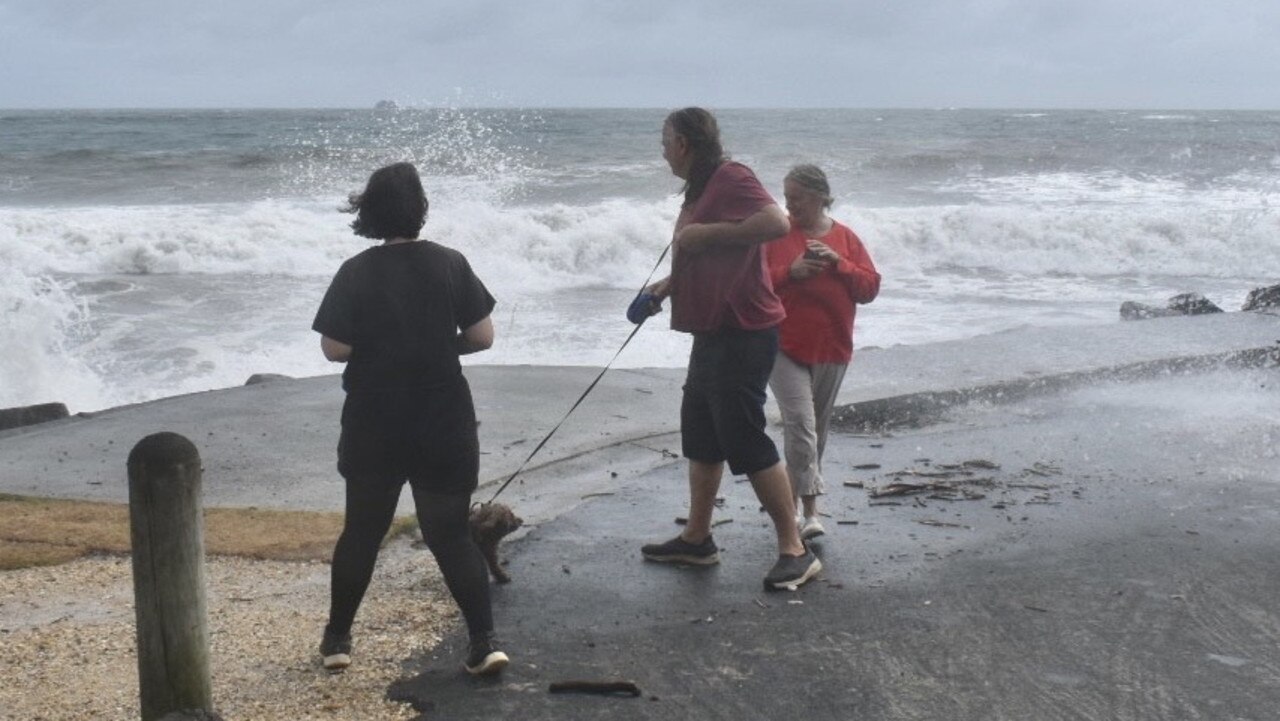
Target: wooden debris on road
{"x": 1043, "y": 469}
{"x": 940, "y": 524}
{"x": 601, "y": 688}
{"x": 940, "y": 490}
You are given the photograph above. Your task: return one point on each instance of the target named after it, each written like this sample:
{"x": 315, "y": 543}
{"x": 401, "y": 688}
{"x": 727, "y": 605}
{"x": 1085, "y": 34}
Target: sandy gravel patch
{"x": 68, "y": 635}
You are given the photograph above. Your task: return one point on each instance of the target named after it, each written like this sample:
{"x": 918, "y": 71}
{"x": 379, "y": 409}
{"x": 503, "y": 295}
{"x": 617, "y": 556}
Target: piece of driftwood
{"x": 601, "y": 688}
{"x": 939, "y": 524}
{"x": 936, "y": 489}
{"x": 976, "y": 463}
{"x": 959, "y": 495}
{"x": 946, "y": 473}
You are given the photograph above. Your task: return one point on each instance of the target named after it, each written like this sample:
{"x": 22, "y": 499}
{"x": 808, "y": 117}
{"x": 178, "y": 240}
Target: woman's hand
{"x": 335, "y": 350}
{"x": 803, "y": 268}
{"x": 823, "y": 251}
{"x": 818, "y": 256}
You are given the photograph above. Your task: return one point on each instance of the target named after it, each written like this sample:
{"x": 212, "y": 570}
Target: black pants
{"x": 371, "y": 507}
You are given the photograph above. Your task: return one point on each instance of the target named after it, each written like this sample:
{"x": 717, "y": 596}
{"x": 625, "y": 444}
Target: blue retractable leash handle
{"x": 642, "y": 307}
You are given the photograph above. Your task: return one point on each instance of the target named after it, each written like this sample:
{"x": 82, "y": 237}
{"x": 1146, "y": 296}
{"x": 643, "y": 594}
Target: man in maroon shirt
{"x": 720, "y": 292}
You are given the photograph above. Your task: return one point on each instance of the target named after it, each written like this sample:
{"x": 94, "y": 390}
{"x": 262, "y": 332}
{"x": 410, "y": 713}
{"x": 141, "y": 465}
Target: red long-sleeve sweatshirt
{"x": 821, "y": 309}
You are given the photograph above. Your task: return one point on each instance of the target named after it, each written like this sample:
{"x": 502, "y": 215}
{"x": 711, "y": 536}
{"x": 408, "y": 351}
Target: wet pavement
{"x": 1119, "y": 561}
{"x": 1111, "y": 569}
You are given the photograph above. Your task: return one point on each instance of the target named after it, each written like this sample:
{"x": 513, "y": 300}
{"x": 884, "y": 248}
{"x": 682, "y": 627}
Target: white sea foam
{"x": 613, "y": 243}
{"x": 39, "y": 318}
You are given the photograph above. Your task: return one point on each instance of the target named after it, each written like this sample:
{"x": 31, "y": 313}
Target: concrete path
{"x": 1119, "y": 562}
{"x": 273, "y": 444}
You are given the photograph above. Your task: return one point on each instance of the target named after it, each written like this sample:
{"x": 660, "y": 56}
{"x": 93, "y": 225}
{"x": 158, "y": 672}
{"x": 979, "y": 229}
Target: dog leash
{"x": 591, "y": 387}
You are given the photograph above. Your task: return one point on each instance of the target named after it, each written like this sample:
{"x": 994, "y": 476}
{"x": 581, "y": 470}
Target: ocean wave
{"x": 608, "y": 243}
{"x": 1160, "y": 240}
{"x": 39, "y": 317}
{"x": 1239, "y": 190}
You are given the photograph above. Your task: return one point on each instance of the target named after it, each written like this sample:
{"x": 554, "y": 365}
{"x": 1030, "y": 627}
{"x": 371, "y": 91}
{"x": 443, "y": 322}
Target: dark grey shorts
{"x": 722, "y": 413}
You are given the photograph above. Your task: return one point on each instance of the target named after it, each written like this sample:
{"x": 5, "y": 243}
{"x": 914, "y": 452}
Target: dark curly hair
{"x": 699, "y": 129}
{"x": 393, "y": 204}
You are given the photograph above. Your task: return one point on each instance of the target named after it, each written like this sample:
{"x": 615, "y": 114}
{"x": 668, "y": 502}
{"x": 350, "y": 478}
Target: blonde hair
{"x": 810, "y": 177}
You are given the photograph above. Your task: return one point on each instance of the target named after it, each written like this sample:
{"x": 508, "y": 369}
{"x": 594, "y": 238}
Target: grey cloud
{"x": 655, "y": 53}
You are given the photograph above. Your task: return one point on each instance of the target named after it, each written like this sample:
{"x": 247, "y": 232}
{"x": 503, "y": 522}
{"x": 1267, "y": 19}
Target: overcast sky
{"x": 641, "y": 53}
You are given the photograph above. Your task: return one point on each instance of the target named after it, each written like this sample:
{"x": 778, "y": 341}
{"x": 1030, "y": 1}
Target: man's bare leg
{"x": 704, "y": 484}
{"x": 773, "y": 488}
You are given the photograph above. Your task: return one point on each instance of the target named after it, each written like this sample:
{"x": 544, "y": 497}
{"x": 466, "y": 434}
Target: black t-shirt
{"x": 400, "y": 308}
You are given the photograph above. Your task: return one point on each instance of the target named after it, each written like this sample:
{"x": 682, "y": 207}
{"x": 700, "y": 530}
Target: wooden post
{"x": 167, "y": 533}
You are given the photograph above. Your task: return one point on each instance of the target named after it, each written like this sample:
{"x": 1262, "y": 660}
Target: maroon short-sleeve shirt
{"x": 724, "y": 287}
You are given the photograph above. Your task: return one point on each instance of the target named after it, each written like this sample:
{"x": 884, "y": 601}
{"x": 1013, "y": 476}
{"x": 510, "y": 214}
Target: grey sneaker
{"x": 678, "y": 550}
{"x": 335, "y": 651}
{"x": 791, "y": 572}
{"x": 811, "y": 527}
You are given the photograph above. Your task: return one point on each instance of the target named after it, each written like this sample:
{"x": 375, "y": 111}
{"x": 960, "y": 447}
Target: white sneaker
{"x": 811, "y": 528}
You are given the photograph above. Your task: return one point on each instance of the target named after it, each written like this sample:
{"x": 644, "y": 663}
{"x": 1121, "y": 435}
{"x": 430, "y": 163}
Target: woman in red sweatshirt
{"x": 821, "y": 271}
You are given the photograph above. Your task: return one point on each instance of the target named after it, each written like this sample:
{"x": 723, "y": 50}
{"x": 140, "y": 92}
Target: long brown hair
{"x": 699, "y": 129}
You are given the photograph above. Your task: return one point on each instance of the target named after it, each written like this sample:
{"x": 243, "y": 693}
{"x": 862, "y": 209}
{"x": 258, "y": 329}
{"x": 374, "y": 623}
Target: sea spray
{"x": 39, "y": 318}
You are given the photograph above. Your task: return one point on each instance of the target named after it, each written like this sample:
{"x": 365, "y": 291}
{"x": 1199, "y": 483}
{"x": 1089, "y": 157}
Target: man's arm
{"x": 766, "y": 224}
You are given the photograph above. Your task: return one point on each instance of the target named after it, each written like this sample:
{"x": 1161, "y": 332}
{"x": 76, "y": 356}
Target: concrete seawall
{"x": 273, "y": 444}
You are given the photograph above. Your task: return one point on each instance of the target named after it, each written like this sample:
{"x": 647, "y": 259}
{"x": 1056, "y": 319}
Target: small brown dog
{"x": 490, "y": 523}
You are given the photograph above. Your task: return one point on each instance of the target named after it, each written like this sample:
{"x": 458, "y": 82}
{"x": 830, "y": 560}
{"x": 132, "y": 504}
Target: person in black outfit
{"x": 399, "y": 314}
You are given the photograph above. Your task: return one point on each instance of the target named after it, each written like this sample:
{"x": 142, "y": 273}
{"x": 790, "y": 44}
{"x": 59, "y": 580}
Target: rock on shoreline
{"x": 1197, "y": 304}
